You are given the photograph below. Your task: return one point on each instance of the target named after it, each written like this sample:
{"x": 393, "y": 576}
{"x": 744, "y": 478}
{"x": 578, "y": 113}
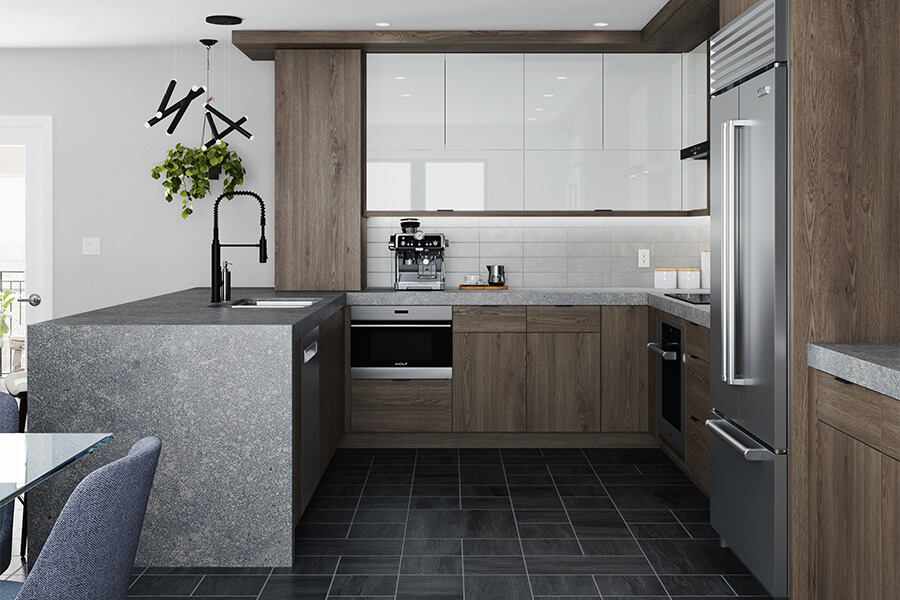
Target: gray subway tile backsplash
{"x": 551, "y": 251}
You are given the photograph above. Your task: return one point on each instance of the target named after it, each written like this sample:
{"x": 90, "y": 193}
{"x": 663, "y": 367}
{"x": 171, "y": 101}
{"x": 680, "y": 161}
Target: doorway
{"x": 26, "y": 227}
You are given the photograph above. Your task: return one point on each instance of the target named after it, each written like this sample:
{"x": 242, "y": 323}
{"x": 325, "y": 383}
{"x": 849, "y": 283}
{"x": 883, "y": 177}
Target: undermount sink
{"x": 274, "y": 302}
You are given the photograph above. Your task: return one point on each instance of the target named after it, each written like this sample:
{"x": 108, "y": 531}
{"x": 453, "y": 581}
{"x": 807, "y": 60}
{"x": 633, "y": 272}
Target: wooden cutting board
{"x": 483, "y": 287}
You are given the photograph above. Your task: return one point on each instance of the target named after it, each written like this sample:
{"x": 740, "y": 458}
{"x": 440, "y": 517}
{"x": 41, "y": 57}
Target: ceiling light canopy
{"x": 224, "y": 20}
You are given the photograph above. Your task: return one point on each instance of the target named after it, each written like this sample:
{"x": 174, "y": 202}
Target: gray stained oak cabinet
{"x": 318, "y": 170}
{"x": 855, "y": 510}
{"x": 489, "y": 368}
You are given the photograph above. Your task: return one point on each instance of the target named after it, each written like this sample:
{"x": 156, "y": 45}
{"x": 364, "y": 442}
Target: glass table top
{"x": 27, "y": 459}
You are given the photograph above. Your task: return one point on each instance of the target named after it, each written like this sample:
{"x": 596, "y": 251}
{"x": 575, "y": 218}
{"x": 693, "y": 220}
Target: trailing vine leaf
{"x": 6, "y": 299}
{"x": 185, "y": 173}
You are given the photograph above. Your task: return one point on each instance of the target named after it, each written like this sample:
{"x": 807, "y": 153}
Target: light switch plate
{"x": 643, "y": 258}
{"x": 90, "y": 246}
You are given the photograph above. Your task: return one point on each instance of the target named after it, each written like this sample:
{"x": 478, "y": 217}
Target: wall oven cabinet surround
{"x": 524, "y": 132}
{"x": 401, "y": 342}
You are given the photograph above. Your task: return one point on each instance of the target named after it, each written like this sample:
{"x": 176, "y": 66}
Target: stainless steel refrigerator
{"x": 748, "y": 313}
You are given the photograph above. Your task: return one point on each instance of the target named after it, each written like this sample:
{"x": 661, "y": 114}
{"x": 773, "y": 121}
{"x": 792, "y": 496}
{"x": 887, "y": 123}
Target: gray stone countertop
{"x": 872, "y": 366}
{"x": 540, "y": 296}
{"x": 192, "y": 307}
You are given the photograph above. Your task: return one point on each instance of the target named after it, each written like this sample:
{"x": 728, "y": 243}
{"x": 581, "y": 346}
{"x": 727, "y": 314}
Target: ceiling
{"x": 118, "y": 23}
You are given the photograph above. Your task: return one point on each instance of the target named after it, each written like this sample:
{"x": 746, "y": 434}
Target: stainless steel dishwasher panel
{"x": 309, "y": 417}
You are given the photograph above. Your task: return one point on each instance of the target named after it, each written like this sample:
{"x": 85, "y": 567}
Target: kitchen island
{"x": 216, "y": 384}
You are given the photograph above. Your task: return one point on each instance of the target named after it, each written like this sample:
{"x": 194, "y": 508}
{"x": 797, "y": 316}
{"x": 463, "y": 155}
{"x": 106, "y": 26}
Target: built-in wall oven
{"x": 670, "y": 399}
{"x": 401, "y": 342}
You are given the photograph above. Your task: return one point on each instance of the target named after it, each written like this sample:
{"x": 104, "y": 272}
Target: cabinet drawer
{"x": 388, "y": 405}
{"x": 849, "y": 408}
{"x": 488, "y": 319}
{"x": 697, "y": 341}
{"x": 563, "y": 319}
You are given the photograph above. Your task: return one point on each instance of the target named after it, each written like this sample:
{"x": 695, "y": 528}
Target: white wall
{"x": 102, "y": 155}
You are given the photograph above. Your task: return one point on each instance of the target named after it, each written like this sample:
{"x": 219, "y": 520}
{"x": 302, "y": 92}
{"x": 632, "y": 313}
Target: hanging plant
{"x": 186, "y": 173}
{"x": 6, "y": 299}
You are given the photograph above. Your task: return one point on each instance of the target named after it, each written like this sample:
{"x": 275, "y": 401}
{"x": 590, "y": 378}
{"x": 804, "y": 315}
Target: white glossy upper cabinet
{"x": 642, "y": 101}
{"x": 404, "y": 101}
{"x": 695, "y": 84}
{"x": 484, "y": 101}
{"x": 563, "y": 101}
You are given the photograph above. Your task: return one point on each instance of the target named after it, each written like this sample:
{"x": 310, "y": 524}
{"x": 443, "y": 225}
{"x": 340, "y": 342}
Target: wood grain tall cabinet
{"x": 319, "y": 233}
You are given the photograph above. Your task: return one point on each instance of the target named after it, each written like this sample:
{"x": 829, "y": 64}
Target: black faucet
{"x": 217, "y": 275}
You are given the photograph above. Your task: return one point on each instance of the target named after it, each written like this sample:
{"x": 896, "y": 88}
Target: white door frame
{"x": 36, "y": 132}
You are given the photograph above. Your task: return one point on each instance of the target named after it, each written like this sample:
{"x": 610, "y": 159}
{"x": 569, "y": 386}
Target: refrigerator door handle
{"x": 730, "y": 239}
{"x": 751, "y": 454}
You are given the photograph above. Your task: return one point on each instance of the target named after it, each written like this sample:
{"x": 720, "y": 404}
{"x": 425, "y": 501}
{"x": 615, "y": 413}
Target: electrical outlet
{"x": 643, "y": 258}
{"x": 90, "y": 246}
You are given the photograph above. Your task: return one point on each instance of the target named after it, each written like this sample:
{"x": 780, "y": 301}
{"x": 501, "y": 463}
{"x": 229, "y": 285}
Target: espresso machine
{"x": 418, "y": 258}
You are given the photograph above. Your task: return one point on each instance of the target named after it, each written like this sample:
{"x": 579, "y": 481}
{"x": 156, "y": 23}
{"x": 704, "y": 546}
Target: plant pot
{"x": 214, "y": 172}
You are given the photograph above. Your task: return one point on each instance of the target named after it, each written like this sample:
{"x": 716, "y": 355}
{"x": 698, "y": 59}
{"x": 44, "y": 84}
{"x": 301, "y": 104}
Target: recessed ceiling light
{"x": 405, "y": 95}
{"x": 382, "y": 24}
{"x": 399, "y": 77}
{"x": 548, "y": 95}
{"x": 562, "y": 77}
{"x": 601, "y": 24}
{"x": 539, "y": 109}
{"x": 532, "y": 118}
{"x": 224, "y": 20}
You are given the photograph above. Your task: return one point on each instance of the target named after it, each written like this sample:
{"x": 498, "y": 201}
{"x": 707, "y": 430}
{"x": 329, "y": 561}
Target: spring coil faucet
{"x": 220, "y": 275}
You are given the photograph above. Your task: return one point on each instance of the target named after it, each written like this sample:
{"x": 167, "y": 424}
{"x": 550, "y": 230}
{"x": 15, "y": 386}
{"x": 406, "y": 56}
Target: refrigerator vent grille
{"x": 747, "y": 44}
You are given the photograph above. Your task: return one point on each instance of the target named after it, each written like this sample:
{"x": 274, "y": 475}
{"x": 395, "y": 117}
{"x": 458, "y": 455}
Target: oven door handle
{"x": 666, "y": 354}
{"x": 388, "y": 325}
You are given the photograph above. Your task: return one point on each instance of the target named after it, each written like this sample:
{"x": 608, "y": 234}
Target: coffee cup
{"x": 472, "y": 279}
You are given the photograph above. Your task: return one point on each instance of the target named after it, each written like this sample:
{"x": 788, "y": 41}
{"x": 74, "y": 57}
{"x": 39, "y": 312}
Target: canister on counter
{"x": 665, "y": 279}
{"x": 688, "y": 279}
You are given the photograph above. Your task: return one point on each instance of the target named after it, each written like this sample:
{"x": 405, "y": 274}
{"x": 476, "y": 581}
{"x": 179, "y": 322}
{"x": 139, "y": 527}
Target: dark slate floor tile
{"x": 519, "y": 480}
{"x": 669, "y": 469}
{"x": 231, "y": 585}
{"x": 581, "y": 490}
{"x": 692, "y": 516}
{"x": 588, "y": 503}
{"x": 746, "y": 585}
{"x": 481, "y": 460}
{"x": 627, "y": 456}
{"x": 638, "y": 598}
{"x": 611, "y": 547}
{"x": 338, "y": 490}
{"x": 488, "y": 475}
{"x": 384, "y": 502}
{"x": 493, "y": 503}
{"x": 368, "y": 565}
{"x": 562, "y": 585}
{"x": 658, "y": 530}
{"x": 545, "y": 530}
{"x": 165, "y": 585}
{"x": 192, "y": 597}
{"x": 615, "y": 469}
{"x": 696, "y": 585}
{"x": 385, "y": 490}
{"x": 658, "y": 496}
{"x": 363, "y": 585}
{"x": 534, "y": 497}
{"x": 484, "y": 490}
{"x": 598, "y": 524}
{"x": 701, "y": 531}
{"x": 448, "y": 490}
{"x": 489, "y": 547}
{"x": 431, "y": 565}
{"x": 430, "y": 587}
{"x": 551, "y": 547}
{"x": 435, "y": 503}
{"x": 508, "y": 452}
{"x": 377, "y": 530}
{"x": 576, "y": 480}
{"x": 493, "y": 565}
{"x": 468, "y": 523}
{"x": 588, "y": 565}
{"x": 322, "y": 515}
{"x": 400, "y": 480}
{"x": 336, "y": 475}
{"x": 493, "y": 587}
{"x": 688, "y": 557}
{"x": 392, "y": 469}
{"x": 668, "y": 479}
{"x": 433, "y": 547}
{"x": 354, "y": 547}
{"x": 541, "y": 516}
{"x": 380, "y": 515}
{"x": 317, "y": 502}
{"x": 309, "y": 565}
{"x": 207, "y": 570}
{"x": 629, "y": 585}
{"x": 544, "y": 460}
{"x": 648, "y": 516}
{"x": 307, "y": 531}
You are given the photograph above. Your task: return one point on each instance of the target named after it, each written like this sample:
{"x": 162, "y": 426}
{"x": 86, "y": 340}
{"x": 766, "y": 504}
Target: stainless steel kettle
{"x": 496, "y": 275}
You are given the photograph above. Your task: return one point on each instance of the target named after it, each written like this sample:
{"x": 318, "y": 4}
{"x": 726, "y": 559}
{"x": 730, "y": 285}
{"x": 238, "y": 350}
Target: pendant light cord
{"x": 208, "y": 99}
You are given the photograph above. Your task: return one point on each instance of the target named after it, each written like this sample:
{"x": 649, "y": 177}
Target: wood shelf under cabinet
{"x": 393, "y": 405}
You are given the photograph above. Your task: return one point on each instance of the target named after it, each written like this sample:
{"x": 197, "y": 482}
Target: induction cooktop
{"x": 692, "y": 298}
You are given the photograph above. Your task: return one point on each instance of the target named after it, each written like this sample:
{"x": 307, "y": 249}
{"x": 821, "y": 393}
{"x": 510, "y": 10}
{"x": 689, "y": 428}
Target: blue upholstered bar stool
{"x": 90, "y": 552}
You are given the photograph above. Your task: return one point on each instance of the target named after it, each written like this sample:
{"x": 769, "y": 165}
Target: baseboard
{"x": 499, "y": 440}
